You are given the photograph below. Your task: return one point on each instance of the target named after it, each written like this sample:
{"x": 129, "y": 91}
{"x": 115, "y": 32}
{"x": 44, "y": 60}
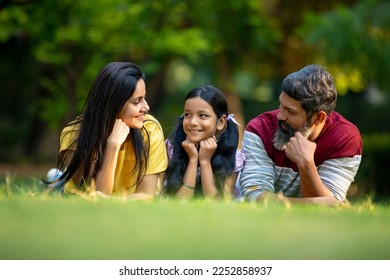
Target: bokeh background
{"x": 50, "y": 52}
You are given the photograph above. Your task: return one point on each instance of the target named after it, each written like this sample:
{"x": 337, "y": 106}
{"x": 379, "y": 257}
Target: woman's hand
{"x": 105, "y": 176}
{"x": 118, "y": 134}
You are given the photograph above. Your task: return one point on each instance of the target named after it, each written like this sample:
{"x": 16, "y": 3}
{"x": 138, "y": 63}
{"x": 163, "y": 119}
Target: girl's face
{"x": 199, "y": 120}
{"x": 132, "y": 113}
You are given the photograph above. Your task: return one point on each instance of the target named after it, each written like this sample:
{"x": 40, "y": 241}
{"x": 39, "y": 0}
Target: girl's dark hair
{"x": 112, "y": 87}
{"x": 223, "y": 160}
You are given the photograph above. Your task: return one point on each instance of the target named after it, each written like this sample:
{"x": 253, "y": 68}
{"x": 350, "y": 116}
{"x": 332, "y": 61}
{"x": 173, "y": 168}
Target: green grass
{"x": 37, "y": 225}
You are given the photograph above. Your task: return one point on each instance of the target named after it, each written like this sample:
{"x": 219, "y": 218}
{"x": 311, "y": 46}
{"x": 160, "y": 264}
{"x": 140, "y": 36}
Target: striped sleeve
{"x": 338, "y": 174}
{"x": 258, "y": 174}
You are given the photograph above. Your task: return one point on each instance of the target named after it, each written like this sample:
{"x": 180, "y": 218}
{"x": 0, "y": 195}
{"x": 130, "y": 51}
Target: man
{"x": 304, "y": 151}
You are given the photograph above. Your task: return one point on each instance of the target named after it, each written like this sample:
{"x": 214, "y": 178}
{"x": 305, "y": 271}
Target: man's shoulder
{"x": 265, "y": 121}
{"x": 262, "y": 128}
{"x": 339, "y": 124}
{"x": 340, "y": 137}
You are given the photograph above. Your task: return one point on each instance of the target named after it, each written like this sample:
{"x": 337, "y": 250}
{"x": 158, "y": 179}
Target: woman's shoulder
{"x": 73, "y": 125}
{"x": 151, "y": 123}
{"x": 153, "y": 129}
{"x": 71, "y": 130}
{"x": 149, "y": 117}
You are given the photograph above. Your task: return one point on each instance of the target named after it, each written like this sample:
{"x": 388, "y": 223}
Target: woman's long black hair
{"x": 223, "y": 160}
{"x": 113, "y": 86}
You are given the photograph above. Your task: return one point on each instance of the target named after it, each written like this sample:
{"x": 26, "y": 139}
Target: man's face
{"x": 285, "y": 131}
{"x": 292, "y": 118}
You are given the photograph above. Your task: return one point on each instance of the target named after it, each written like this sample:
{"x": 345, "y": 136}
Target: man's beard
{"x": 283, "y": 135}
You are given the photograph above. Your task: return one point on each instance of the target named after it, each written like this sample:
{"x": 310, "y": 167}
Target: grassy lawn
{"x": 37, "y": 225}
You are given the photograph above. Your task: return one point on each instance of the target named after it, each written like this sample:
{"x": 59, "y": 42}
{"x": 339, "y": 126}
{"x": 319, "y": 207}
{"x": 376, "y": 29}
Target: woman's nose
{"x": 145, "y": 107}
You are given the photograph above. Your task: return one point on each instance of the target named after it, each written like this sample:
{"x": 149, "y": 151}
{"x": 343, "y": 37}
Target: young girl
{"x": 202, "y": 149}
{"x": 114, "y": 147}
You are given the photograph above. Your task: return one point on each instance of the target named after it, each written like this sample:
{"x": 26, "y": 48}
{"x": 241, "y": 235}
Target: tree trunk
{"x": 226, "y": 84}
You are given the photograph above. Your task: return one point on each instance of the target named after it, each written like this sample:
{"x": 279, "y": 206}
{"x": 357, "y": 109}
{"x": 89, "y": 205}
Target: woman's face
{"x": 199, "y": 120}
{"x": 132, "y": 113}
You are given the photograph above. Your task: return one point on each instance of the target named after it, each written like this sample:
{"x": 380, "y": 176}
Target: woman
{"x": 114, "y": 147}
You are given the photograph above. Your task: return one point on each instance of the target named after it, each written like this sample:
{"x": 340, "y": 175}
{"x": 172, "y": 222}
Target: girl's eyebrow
{"x": 197, "y": 112}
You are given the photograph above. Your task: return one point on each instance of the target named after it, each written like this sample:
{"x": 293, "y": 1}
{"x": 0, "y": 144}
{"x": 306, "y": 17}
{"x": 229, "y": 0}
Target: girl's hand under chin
{"x": 191, "y": 148}
{"x": 207, "y": 148}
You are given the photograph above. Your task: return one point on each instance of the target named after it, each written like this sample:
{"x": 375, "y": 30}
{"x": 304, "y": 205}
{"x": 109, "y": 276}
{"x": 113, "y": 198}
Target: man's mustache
{"x": 286, "y": 128}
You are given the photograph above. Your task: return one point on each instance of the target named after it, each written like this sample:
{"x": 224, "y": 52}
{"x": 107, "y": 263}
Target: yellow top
{"x": 124, "y": 182}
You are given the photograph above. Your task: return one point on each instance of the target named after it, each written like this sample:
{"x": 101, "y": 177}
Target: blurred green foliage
{"x": 354, "y": 40}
